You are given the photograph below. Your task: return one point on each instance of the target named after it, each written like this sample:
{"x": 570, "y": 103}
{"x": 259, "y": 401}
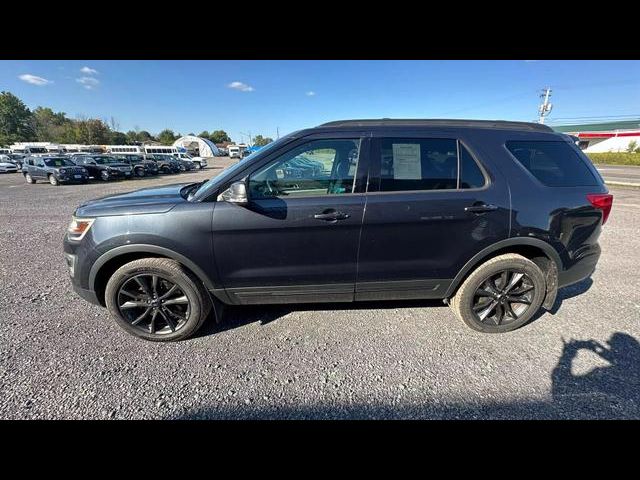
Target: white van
{"x": 234, "y": 151}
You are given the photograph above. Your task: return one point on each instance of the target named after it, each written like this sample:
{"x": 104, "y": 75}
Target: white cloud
{"x": 311, "y": 93}
{"x": 34, "y": 79}
{"x": 88, "y": 82}
{"x": 243, "y": 87}
{"x": 88, "y": 71}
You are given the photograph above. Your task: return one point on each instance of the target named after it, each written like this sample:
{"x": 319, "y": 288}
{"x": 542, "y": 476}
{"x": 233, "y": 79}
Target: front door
{"x": 431, "y": 206}
{"x": 297, "y": 239}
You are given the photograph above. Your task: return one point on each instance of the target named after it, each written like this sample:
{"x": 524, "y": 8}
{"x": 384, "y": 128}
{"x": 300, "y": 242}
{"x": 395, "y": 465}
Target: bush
{"x": 620, "y": 158}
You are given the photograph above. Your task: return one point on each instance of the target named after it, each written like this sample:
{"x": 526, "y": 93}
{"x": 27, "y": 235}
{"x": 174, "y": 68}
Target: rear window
{"x": 554, "y": 164}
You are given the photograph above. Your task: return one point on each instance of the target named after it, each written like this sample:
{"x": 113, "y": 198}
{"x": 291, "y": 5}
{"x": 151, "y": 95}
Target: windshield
{"x": 37, "y": 150}
{"x": 210, "y": 186}
{"x": 106, "y": 160}
{"x": 58, "y": 162}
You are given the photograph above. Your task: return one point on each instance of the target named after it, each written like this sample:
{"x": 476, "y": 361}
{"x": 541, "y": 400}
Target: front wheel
{"x": 501, "y": 295}
{"x": 157, "y": 299}
{"x": 53, "y": 180}
{"x": 104, "y": 176}
{"x": 140, "y": 172}
{"x": 29, "y": 178}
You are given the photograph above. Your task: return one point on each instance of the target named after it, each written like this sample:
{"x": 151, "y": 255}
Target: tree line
{"x": 20, "y": 124}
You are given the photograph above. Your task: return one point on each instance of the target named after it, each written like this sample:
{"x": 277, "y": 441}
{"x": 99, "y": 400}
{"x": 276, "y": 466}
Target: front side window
{"x": 319, "y": 167}
{"x": 415, "y": 164}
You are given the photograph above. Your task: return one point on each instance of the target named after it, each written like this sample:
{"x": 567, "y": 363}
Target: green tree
{"x": 260, "y": 141}
{"x": 132, "y": 137}
{"x": 167, "y": 137}
{"x": 15, "y": 120}
{"x": 118, "y": 138}
{"x": 92, "y": 132}
{"x": 49, "y": 126}
{"x": 144, "y": 136}
{"x": 632, "y": 147}
{"x": 219, "y": 136}
{"x": 204, "y": 134}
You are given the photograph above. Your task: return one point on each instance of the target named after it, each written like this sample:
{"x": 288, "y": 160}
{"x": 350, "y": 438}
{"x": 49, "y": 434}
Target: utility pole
{"x": 277, "y": 132}
{"x": 545, "y": 107}
{"x": 249, "y": 135}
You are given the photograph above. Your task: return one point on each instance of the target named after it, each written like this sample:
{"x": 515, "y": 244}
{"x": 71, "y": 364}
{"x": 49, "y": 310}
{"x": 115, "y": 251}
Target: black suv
{"x": 166, "y": 163}
{"x": 490, "y": 216}
{"x": 103, "y": 167}
{"x": 141, "y": 166}
{"x": 53, "y": 169}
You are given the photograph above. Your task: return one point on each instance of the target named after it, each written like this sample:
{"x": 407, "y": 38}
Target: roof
{"x": 415, "y": 122}
{"x": 599, "y": 127}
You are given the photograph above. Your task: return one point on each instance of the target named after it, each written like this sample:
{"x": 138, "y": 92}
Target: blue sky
{"x": 259, "y": 96}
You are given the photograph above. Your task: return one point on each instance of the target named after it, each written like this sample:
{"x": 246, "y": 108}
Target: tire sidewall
{"x": 184, "y": 283}
{"x": 104, "y": 175}
{"x": 28, "y": 177}
{"x": 53, "y": 180}
{"x": 464, "y": 299}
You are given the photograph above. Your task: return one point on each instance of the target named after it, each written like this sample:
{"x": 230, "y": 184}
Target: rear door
{"x": 297, "y": 240}
{"x": 432, "y": 204}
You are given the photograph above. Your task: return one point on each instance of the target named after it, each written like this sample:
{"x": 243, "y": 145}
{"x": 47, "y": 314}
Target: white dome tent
{"x": 202, "y": 147}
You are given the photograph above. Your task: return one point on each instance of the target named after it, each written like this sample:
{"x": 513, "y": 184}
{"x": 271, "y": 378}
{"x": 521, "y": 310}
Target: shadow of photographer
{"x": 618, "y": 382}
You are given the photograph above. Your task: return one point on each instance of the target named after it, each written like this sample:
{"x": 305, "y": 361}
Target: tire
{"x": 140, "y": 172}
{"x": 200, "y": 167}
{"x": 484, "y": 288}
{"x": 195, "y": 314}
{"x": 53, "y": 180}
{"x": 29, "y": 178}
{"x": 104, "y": 175}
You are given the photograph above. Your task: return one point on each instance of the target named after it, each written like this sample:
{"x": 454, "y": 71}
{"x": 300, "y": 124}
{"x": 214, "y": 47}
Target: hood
{"x": 148, "y": 200}
{"x": 7, "y": 164}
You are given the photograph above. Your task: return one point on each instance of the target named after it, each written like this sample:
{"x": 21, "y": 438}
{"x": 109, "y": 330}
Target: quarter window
{"x": 319, "y": 167}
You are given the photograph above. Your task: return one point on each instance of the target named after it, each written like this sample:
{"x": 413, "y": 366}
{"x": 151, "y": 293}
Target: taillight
{"x": 602, "y": 201}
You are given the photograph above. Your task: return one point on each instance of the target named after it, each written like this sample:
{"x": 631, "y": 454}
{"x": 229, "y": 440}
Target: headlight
{"x": 62, "y": 170}
{"x": 79, "y": 227}
{"x": 83, "y": 170}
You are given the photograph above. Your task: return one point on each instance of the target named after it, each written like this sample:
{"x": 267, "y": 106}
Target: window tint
{"x": 555, "y": 164}
{"x": 319, "y": 167}
{"x": 418, "y": 164}
{"x": 470, "y": 174}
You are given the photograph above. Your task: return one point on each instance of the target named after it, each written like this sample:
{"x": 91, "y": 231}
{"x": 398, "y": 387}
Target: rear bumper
{"x": 582, "y": 267}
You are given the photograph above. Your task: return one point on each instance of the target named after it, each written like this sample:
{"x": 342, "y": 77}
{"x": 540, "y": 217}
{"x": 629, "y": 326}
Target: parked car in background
{"x": 16, "y": 158}
{"x": 491, "y": 217}
{"x": 103, "y": 167}
{"x": 54, "y": 169}
{"x": 200, "y": 162}
{"x": 166, "y": 163}
{"x": 6, "y": 165}
{"x": 141, "y": 166}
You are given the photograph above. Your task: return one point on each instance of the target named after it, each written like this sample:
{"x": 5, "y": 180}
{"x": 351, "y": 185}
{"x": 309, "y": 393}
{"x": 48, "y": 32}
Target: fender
{"x": 142, "y": 248}
{"x": 509, "y": 242}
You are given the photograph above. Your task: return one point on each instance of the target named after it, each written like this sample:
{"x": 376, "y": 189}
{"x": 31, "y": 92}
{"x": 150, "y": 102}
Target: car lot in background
{"x": 63, "y": 358}
{"x": 103, "y": 167}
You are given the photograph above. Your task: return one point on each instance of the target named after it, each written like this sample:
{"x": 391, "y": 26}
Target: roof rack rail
{"x": 504, "y": 124}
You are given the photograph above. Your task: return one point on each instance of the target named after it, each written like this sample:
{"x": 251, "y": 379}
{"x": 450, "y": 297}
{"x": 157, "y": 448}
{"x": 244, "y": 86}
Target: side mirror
{"x": 236, "y": 193}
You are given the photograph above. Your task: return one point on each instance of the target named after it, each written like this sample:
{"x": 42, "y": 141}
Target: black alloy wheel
{"x": 503, "y": 297}
{"x": 153, "y": 304}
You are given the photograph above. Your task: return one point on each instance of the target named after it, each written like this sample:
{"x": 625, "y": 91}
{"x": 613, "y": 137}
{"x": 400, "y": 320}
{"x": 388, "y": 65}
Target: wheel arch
{"x": 109, "y": 262}
{"x": 539, "y": 251}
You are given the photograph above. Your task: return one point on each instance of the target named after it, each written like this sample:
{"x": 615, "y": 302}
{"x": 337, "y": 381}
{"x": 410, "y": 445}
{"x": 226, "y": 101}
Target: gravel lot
{"x": 61, "y": 357}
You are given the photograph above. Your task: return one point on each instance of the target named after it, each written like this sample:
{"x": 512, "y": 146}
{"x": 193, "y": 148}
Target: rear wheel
{"x": 157, "y": 299}
{"x": 501, "y": 295}
{"x": 29, "y": 178}
{"x": 53, "y": 180}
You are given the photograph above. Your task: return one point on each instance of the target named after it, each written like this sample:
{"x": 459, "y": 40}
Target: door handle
{"x": 331, "y": 215}
{"x": 482, "y": 208}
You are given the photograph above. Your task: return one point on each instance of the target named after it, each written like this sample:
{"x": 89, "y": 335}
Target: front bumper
{"x": 89, "y": 295}
{"x": 70, "y": 178}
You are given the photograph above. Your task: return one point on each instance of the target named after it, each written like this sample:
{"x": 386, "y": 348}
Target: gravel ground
{"x": 61, "y": 357}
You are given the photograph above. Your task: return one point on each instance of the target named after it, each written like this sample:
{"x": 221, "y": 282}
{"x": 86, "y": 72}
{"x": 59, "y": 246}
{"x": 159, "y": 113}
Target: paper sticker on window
{"x": 406, "y": 161}
{"x": 280, "y": 173}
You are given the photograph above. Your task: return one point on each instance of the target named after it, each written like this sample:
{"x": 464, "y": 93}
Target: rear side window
{"x": 554, "y": 164}
{"x": 410, "y": 164}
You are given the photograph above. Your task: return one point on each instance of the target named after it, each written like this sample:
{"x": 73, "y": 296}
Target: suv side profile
{"x": 53, "y": 169}
{"x": 103, "y": 167}
{"x": 141, "y": 166}
{"x": 492, "y": 217}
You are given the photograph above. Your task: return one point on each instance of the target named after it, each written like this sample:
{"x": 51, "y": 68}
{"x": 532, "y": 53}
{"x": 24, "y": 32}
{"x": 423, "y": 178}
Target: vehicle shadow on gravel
{"x": 239, "y": 316}
{"x": 605, "y": 392}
